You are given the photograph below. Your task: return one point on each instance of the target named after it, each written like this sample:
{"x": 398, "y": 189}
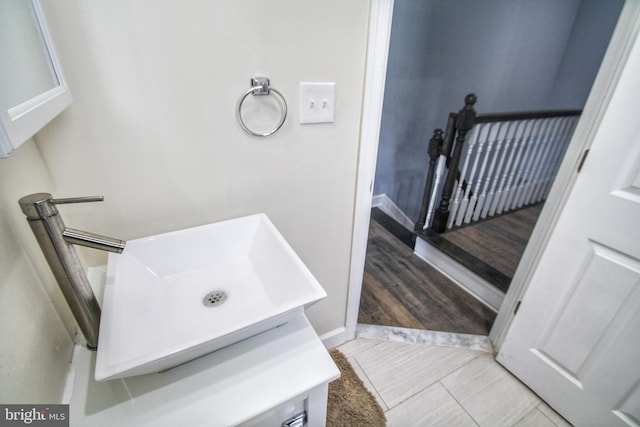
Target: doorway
{"x": 411, "y": 137}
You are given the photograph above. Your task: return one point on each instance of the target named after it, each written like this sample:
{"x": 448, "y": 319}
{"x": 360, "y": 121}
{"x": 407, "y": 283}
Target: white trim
{"x": 612, "y": 65}
{"x": 376, "y": 73}
{"x": 386, "y": 205}
{"x": 475, "y": 285}
{"x": 335, "y": 337}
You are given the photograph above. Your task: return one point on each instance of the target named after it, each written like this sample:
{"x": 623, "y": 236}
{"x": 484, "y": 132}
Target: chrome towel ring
{"x": 260, "y": 86}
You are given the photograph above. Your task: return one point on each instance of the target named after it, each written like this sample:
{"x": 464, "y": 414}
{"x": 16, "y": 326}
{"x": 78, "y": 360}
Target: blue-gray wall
{"x": 516, "y": 55}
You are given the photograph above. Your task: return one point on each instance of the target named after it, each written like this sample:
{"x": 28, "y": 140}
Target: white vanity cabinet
{"x": 264, "y": 380}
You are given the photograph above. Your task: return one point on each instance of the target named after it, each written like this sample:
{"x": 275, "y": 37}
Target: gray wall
{"x": 516, "y": 55}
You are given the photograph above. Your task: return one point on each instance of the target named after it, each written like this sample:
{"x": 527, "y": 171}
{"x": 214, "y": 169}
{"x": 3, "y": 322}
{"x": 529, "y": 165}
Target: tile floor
{"x": 420, "y": 384}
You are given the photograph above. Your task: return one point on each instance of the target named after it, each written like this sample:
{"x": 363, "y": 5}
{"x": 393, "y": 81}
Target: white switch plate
{"x": 317, "y": 102}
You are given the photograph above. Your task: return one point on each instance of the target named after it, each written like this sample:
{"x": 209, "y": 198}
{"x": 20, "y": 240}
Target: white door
{"x": 576, "y": 337}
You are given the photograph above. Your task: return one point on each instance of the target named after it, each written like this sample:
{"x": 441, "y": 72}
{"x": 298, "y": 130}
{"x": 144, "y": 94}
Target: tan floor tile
{"x": 365, "y": 380}
{"x": 433, "y": 407}
{"x": 399, "y": 370}
{"x": 490, "y": 394}
{"x": 534, "y": 418}
{"x": 429, "y": 385}
{"x": 553, "y": 415}
{"x": 353, "y": 347}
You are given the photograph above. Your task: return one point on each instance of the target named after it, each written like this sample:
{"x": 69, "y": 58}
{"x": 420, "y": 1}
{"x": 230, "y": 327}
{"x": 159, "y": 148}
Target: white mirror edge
{"x": 21, "y": 122}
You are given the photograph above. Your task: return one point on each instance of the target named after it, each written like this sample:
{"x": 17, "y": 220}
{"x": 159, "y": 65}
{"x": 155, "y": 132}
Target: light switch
{"x": 317, "y": 102}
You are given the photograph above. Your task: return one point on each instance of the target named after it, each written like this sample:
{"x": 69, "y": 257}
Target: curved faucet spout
{"x": 92, "y": 240}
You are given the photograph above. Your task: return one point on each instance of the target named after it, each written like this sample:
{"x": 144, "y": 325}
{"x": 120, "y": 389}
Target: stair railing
{"x": 492, "y": 164}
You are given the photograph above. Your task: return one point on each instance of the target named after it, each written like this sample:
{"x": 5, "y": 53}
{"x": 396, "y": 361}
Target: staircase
{"x": 491, "y": 249}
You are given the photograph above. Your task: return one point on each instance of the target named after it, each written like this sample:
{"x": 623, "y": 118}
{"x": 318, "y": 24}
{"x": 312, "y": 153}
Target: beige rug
{"x": 350, "y": 403}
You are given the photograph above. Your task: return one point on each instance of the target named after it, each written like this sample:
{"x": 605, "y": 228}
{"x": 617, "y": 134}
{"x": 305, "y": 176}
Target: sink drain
{"x": 215, "y": 298}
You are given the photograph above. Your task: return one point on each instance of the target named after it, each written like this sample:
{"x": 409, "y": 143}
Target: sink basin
{"x": 173, "y": 297}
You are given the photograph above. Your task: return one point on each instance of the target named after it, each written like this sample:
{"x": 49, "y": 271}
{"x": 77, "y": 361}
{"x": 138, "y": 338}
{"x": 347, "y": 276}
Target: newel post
{"x": 434, "y": 150}
{"x": 464, "y": 123}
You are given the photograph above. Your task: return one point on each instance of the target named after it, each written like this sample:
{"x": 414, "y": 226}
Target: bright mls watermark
{"x": 34, "y": 415}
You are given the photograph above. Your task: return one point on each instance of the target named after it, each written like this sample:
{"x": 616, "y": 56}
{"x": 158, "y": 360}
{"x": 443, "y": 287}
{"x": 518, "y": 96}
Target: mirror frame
{"x": 22, "y": 121}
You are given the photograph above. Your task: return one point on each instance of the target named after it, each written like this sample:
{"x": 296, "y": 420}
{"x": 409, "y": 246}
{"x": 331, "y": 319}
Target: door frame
{"x": 381, "y": 14}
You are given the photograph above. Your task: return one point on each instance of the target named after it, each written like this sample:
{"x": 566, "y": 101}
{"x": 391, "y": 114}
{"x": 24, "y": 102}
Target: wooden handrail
{"x": 524, "y": 115}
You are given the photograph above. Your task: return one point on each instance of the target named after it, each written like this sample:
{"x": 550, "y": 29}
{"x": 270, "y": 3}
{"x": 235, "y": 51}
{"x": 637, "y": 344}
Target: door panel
{"x": 607, "y": 277}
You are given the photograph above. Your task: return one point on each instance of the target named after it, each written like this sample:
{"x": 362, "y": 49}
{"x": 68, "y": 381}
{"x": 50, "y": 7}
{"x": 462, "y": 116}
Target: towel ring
{"x": 260, "y": 86}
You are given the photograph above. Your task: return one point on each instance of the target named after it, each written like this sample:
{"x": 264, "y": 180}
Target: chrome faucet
{"x": 56, "y": 242}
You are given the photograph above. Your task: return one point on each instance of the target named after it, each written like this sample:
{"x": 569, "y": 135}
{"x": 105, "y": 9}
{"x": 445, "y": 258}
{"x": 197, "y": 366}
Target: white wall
{"x": 37, "y": 326}
{"x": 152, "y": 125}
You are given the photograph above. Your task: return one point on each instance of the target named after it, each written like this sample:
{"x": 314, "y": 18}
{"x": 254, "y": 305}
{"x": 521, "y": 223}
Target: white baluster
{"x": 437, "y": 184}
{"x": 527, "y": 176}
{"x": 514, "y": 155}
{"x": 527, "y": 150}
{"x": 560, "y": 146}
{"x": 518, "y": 168}
{"x": 499, "y": 175}
{"x": 540, "y": 141}
{"x": 453, "y": 211}
{"x": 547, "y": 140}
{"x": 494, "y": 141}
{"x": 472, "y": 190}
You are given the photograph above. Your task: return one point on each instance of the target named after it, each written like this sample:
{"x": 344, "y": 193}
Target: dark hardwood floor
{"x": 491, "y": 248}
{"x": 399, "y": 289}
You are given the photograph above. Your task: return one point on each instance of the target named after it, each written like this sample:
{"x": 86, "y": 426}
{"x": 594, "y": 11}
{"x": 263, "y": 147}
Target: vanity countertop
{"x": 223, "y": 388}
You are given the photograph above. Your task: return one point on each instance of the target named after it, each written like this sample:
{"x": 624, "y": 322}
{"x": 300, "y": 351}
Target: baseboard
{"x": 335, "y": 337}
{"x": 482, "y": 290}
{"x": 386, "y": 205}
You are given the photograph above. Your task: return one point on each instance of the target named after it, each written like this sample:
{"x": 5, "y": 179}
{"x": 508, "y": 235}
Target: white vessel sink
{"x": 173, "y": 297}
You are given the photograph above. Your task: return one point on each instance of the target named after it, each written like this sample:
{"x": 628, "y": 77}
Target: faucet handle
{"x": 42, "y": 205}
{"x": 84, "y": 199}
